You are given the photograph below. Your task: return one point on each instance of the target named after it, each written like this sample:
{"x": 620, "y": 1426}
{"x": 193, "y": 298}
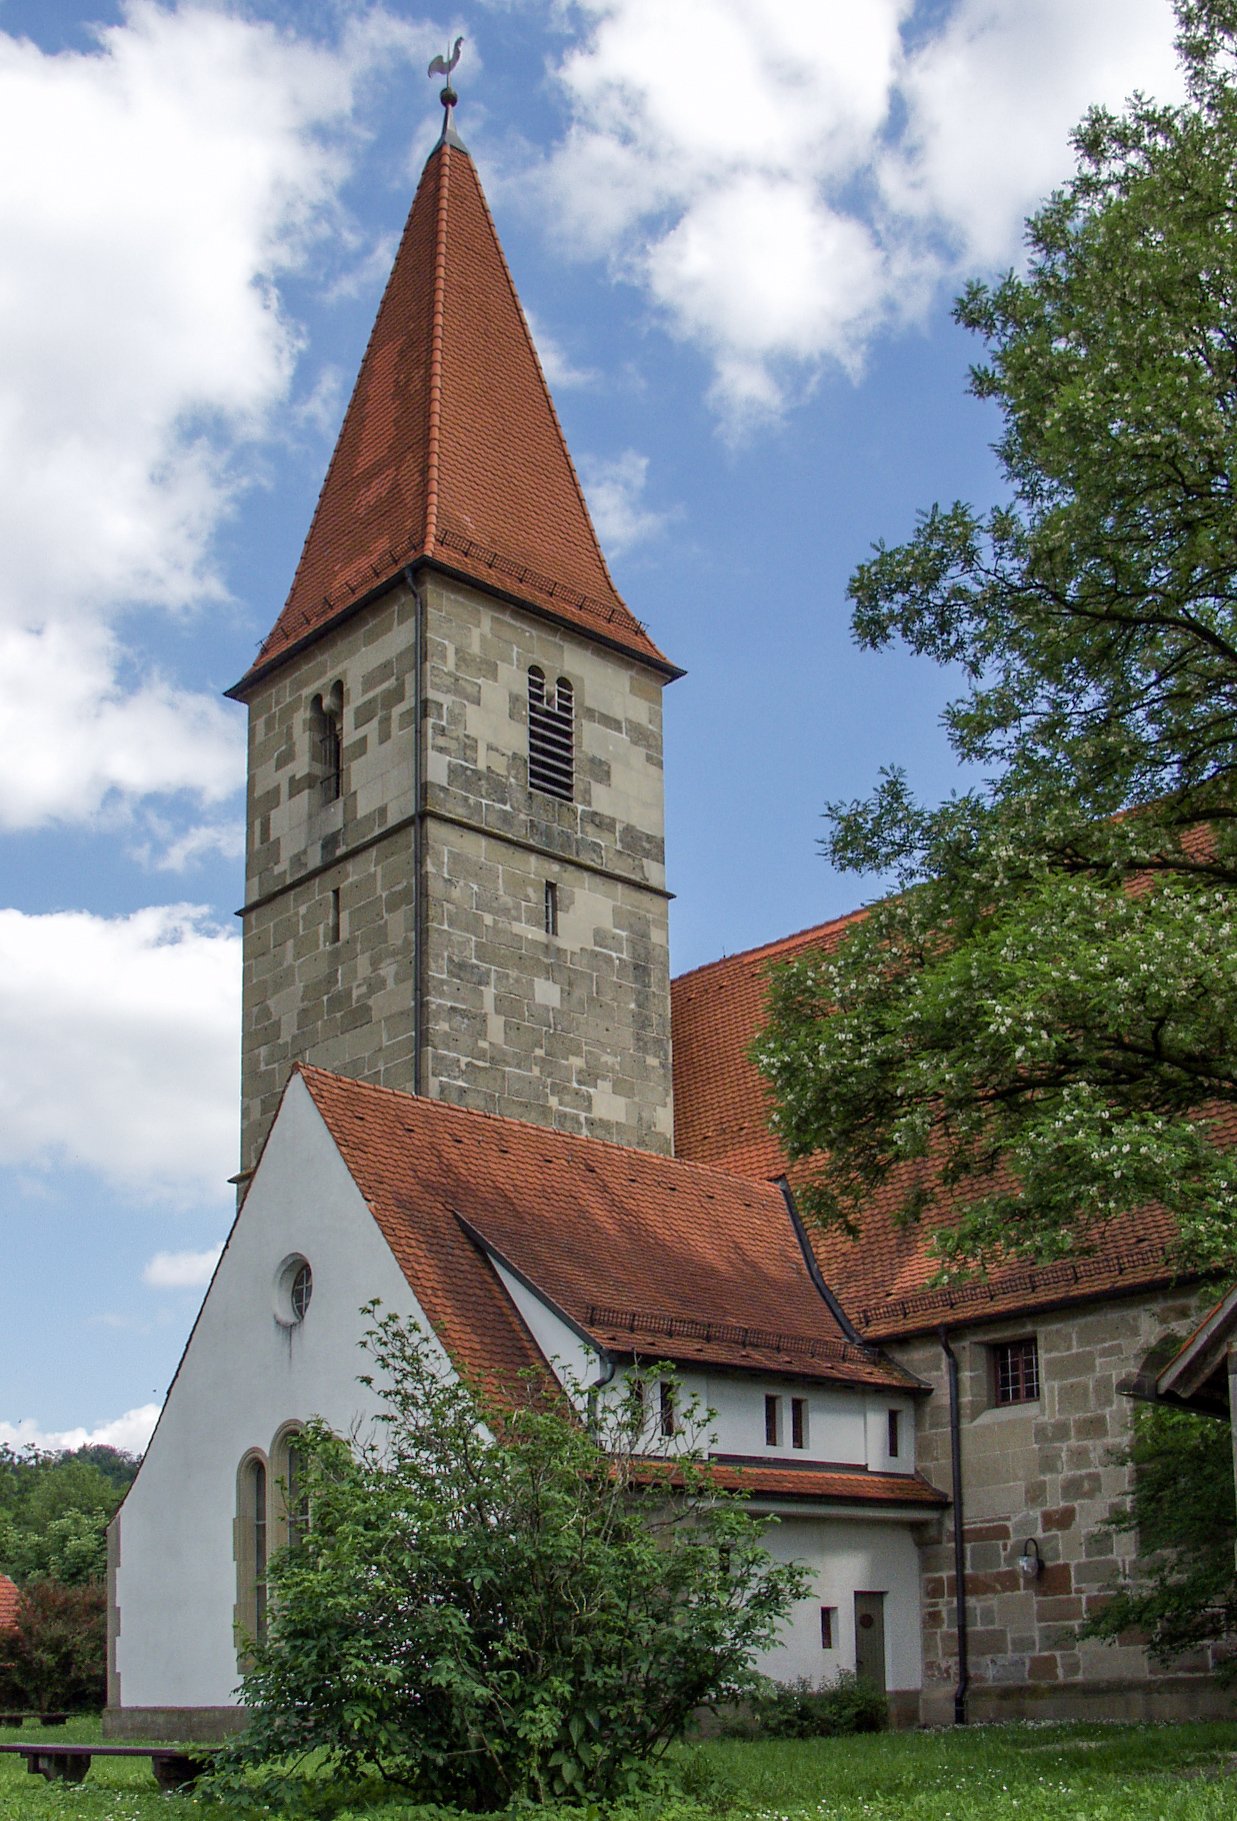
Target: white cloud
{"x": 162, "y": 185}
{"x": 784, "y": 179}
{"x": 169, "y": 851}
{"x": 560, "y": 370}
{"x": 181, "y": 1270}
{"x": 131, "y": 1432}
{"x": 615, "y": 489}
{"x": 79, "y": 737}
{"x": 992, "y": 100}
{"x": 118, "y": 1047}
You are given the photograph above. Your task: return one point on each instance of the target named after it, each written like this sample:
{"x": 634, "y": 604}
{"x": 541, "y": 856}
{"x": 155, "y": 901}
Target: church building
{"x": 460, "y": 1096}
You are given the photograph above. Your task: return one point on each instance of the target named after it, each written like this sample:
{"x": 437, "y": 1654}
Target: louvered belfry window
{"x": 551, "y": 736}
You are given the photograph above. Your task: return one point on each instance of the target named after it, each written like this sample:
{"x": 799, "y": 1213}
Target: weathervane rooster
{"x": 442, "y": 66}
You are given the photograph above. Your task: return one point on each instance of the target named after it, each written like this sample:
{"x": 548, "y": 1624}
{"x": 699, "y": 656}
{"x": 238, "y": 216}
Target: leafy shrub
{"x": 1181, "y": 1591}
{"x": 55, "y": 1657}
{"x": 497, "y": 1601}
{"x": 805, "y": 1710}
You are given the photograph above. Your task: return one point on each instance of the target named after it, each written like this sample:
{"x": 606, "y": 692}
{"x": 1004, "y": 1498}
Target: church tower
{"x": 455, "y": 879}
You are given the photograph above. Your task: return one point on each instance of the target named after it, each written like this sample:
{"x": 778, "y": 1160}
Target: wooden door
{"x": 870, "y": 1637}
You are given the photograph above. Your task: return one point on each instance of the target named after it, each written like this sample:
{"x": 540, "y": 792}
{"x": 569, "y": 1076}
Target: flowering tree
{"x": 1041, "y": 1025}
{"x": 496, "y": 1601}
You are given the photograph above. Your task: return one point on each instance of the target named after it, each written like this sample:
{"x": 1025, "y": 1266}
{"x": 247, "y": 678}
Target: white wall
{"x": 848, "y": 1555}
{"x": 244, "y": 1376}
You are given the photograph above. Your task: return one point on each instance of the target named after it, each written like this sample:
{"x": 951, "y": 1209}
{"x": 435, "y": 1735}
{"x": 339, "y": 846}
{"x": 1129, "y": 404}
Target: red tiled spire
{"x": 451, "y": 449}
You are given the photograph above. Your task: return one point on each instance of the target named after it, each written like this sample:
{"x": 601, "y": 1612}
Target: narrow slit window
{"x": 333, "y": 925}
{"x": 257, "y": 1493}
{"x": 551, "y": 908}
{"x": 326, "y": 718}
{"x": 895, "y": 1436}
{"x": 798, "y": 1422}
{"x": 665, "y": 1405}
{"x": 773, "y": 1421}
{"x": 827, "y": 1626}
{"x": 551, "y": 736}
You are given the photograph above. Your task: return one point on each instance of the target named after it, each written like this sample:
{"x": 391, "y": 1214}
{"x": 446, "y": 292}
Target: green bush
{"x": 503, "y": 1599}
{"x": 55, "y": 1657}
{"x": 803, "y": 1709}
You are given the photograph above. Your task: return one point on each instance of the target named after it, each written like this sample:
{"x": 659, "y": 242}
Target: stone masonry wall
{"x": 342, "y": 1003}
{"x": 572, "y": 1030}
{"x": 1043, "y": 1470}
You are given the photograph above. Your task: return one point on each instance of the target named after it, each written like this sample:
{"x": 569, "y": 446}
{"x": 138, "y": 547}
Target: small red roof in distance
{"x": 450, "y": 448}
{"x": 644, "y": 1254}
{"x": 9, "y": 1600}
{"x": 721, "y": 1110}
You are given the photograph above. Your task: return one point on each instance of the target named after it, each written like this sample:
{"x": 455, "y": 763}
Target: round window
{"x": 294, "y": 1286}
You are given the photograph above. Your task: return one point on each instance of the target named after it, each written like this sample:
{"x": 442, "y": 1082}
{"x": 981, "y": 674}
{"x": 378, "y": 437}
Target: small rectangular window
{"x": 1015, "y": 1371}
{"x": 895, "y": 1425}
{"x": 798, "y": 1422}
{"x": 665, "y": 1403}
{"x": 551, "y": 908}
{"x": 827, "y": 1616}
{"x": 773, "y": 1422}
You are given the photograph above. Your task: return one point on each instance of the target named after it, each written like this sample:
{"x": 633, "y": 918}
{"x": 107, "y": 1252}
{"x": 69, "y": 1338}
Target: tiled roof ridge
{"x": 630, "y": 1154}
{"x": 442, "y": 152}
{"x": 799, "y": 938}
{"x": 549, "y": 397}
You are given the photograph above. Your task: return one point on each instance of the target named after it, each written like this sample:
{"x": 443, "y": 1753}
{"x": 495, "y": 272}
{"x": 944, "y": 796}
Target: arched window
{"x": 551, "y": 736}
{"x": 289, "y": 1506}
{"x": 326, "y": 722}
{"x": 251, "y": 1549}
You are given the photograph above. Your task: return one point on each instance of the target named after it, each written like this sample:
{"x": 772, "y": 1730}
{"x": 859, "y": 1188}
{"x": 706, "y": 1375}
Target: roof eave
{"x": 258, "y": 672}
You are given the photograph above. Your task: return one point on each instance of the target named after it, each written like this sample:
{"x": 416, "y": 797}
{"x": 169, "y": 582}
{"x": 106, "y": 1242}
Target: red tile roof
{"x": 882, "y": 1278}
{"x": 450, "y": 449}
{"x": 832, "y": 1485}
{"x": 645, "y": 1255}
{"x": 10, "y": 1598}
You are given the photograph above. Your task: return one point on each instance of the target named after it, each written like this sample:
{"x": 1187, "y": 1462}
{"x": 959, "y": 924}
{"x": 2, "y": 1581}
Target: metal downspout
{"x": 418, "y": 837}
{"x": 955, "y": 1450}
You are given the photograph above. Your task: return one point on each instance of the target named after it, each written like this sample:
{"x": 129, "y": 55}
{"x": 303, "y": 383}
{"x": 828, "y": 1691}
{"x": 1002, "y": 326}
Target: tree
{"x": 1182, "y": 1590}
{"x": 55, "y": 1509}
{"x": 55, "y": 1657}
{"x": 496, "y": 1599}
{"x": 1038, "y": 1031}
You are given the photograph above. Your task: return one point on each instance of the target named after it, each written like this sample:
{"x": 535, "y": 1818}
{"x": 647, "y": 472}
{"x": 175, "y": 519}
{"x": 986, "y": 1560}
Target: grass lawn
{"x": 1059, "y": 1773}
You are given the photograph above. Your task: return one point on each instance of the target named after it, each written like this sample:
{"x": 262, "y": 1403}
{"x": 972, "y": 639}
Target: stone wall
{"x": 1045, "y": 1470}
{"x": 570, "y": 1029}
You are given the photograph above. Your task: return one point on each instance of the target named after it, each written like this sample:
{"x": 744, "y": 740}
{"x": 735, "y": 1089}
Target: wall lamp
{"x": 1030, "y": 1561}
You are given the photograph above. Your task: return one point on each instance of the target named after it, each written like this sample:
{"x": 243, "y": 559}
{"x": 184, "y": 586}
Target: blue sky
{"x": 737, "y": 226}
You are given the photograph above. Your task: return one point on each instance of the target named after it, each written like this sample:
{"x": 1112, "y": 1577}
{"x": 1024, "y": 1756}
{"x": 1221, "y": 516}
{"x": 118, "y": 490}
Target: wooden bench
{"x": 174, "y": 1767}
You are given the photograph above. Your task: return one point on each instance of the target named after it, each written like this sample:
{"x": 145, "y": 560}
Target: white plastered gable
{"x": 244, "y": 1376}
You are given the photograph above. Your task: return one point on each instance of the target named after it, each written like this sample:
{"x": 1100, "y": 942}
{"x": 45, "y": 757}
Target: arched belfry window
{"x": 326, "y": 718}
{"x": 551, "y": 736}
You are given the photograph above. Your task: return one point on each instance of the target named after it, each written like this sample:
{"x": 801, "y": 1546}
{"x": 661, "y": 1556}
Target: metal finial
{"x": 443, "y": 66}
